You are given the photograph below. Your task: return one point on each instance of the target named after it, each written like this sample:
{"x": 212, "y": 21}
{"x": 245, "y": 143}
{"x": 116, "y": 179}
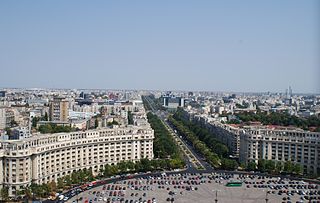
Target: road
{"x": 194, "y": 161}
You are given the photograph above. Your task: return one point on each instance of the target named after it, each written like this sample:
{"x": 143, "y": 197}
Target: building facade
{"x": 6, "y": 117}
{"x": 45, "y": 158}
{"x": 58, "y": 110}
{"x": 3, "y": 120}
{"x": 251, "y": 143}
{"x": 300, "y": 147}
{"x": 228, "y": 135}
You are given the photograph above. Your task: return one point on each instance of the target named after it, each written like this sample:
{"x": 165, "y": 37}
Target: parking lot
{"x": 202, "y": 188}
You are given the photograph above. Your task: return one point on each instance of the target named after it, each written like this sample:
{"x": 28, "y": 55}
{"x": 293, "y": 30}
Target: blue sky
{"x": 169, "y": 45}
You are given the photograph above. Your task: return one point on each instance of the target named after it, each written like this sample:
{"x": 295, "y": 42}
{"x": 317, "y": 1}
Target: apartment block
{"x": 45, "y": 158}
{"x": 58, "y": 110}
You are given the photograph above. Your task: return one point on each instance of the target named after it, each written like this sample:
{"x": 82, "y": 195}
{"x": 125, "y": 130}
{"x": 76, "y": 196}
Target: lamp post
{"x": 267, "y": 197}
{"x": 216, "y": 199}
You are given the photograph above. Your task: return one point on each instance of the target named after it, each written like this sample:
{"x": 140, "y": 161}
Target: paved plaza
{"x": 202, "y": 188}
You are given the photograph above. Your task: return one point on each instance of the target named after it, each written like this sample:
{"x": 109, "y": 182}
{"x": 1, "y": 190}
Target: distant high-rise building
{"x": 2, "y": 118}
{"x": 6, "y": 115}
{"x": 58, "y": 110}
{"x": 290, "y": 92}
{"x": 2, "y": 93}
{"x": 81, "y": 95}
{"x": 172, "y": 101}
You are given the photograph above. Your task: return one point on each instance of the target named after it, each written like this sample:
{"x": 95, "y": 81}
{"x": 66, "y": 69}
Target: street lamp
{"x": 267, "y": 197}
{"x": 216, "y": 199}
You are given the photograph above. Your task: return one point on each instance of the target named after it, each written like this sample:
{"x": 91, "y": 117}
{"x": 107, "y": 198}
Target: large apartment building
{"x": 251, "y": 143}
{"x": 44, "y": 158}
{"x": 227, "y": 134}
{"x": 281, "y": 145}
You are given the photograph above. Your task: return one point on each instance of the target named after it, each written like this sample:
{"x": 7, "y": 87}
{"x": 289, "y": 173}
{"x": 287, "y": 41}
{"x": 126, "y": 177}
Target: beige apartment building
{"x": 44, "y": 158}
{"x": 298, "y": 146}
{"x": 58, "y": 110}
{"x": 251, "y": 143}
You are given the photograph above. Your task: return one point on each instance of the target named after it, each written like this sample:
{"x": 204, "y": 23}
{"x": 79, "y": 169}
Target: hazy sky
{"x": 169, "y": 45}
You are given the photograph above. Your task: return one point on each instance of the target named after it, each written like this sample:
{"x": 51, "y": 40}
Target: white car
{"x": 61, "y": 197}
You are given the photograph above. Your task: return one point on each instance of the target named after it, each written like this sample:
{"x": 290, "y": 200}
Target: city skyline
{"x": 207, "y": 46}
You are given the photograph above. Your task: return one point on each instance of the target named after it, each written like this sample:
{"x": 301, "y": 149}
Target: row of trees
{"x": 32, "y": 191}
{"x": 143, "y": 165}
{"x": 44, "y": 190}
{"x": 35, "y": 120}
{"x": 84, "y": 176}
{"x": 276, "y": 118}
{"x": 145, "y": 103}
{"x": 200, "y": 146}
{"x": 163, "y": 144}
{"x": 275, "y": 167}
{"x": 203, "y": 140}
{"x": 75, "y": 178}
{"x": 157, "y": 103}
{"x": 53, "y": 128}
{"x": 203, "y": 134}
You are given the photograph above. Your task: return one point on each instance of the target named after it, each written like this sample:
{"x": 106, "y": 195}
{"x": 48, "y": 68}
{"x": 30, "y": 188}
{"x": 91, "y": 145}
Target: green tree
{"x": 35, "y": 120}
{"x": 269, "y": 166}
{"x": 130, "y": 165}
{"x": 4, "y": 193}
{"x": 297, "y": 169}
{"x": 279, "y": 167}
{"x": 228, "y": 164}
{"x": 47, "y": 128}
{"x": 262, "y": 165}
{"x": 60, "y": 184}
{"x": 96, "y": 123}
{"x": 122, "y": 167}
{"x": 288, "y": 167}
{"x": 252, "y": 166}
{"x": 68, "y": 180}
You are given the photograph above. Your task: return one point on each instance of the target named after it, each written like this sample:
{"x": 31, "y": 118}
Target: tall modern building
{"x": 170, "y": 101}
{"x": 58, "y": 110}
{"x": 2, "y": 93}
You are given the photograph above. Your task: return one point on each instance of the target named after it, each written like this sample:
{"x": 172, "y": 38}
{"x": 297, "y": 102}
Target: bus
{"x": 234, "y": 184}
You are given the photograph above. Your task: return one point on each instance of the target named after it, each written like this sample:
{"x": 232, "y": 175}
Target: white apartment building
{"x": 44, "y": 158}
{"x": 251, "y": 143}
{"x": 227, "y": 134}
{"x": 298, "y": 146}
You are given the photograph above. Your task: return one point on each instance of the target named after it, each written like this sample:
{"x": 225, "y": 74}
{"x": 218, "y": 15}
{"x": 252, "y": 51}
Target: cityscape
{"x": 58, "y": 143}
{"x": 160, "y": 101}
